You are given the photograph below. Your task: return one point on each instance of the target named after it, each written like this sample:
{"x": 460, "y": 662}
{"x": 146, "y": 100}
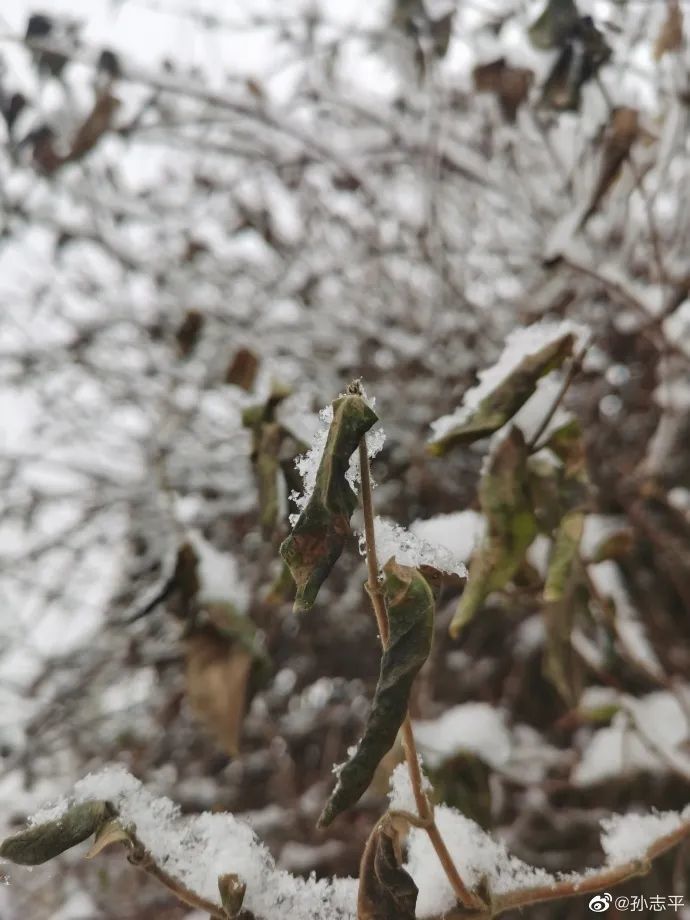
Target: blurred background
{"x": 207, "y": 207}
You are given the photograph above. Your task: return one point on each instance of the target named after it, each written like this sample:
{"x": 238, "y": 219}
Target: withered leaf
{"x": 554, "y": 24}
{"x": 509, "y": 84}
{"x": 410, "y": 606}
{"x": 318, "y": 537}
{"x": 386, "y": 891}
{"x": 242, "y": 369}
{"x": 619, "y": 137}
{"x": 42, "y": 842}
{"x": 95, "y": 125}
{"x": 582, "y": 54}
{"x": 506, "y": 398}
{"x": 670, "y": 37}
{"x": 188, "y": 332}
{"x": 511, "y": 527}
{"x": 217, "y": 674}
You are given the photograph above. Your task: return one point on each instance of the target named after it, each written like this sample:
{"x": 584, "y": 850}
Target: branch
{"x": 464, "y": 896}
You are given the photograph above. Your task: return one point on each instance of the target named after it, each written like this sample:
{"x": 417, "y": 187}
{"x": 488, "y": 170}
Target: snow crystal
{"x": 474, "y": 727}
{"x": 459, "y": 532}
{"x": 519, "y": 344}
{"x": 392, "y": 540}
{"x": 197, "y": 850}
{"x": 628, "y": 837}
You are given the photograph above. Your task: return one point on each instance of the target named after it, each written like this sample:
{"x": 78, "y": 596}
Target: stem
{"x": 575, "y": 366}
{"x": 464, "y": 896}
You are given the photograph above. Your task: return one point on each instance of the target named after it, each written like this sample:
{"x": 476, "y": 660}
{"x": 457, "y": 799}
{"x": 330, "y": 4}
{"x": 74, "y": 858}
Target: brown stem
{"x": 578, "y": 885}
{"x": 140, "y": 857}
{"x": 575, "y": 366}
{"x": 464, "y": 896}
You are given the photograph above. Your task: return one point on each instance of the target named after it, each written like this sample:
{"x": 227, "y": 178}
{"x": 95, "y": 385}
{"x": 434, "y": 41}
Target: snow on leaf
{"x": 408, "y": 548}
{"x": 507, "y": 385}
{"x": 319, "y": 535}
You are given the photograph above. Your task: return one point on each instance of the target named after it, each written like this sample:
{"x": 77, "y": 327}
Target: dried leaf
{"x": 410, "y": 606}
{"x": 554, "y": 24}
{"x": 501, "y": 403}
{"x": 615, "y": 546}
{"x": 188, "y": 332}
{"x": 619, "y": 137}
{"x": 243, "y": 369}
{"x": 582, "y": 54}
{"x": 509, "y": 84}
{"x": 232, "y": 891}
{"x": 386, "y": 891}
{"x": 511, "y": 527}
{"x": 670, "y": 37}
{"x": 44, "y": 841}
{"x": 217, "y": 674}
{"x": 318, "y": 538}
{"x": 96, "y": 124}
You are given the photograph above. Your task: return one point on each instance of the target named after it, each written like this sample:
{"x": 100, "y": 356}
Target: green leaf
{"x": 386, "y": 891}
{"x": 502, "y": 402}
{"x": 511, "y": 527}
{"x": 563, "y": 556}
{"x": 554, "y": 24}
{"x": 410, "y": 606}
{"x": 318, "y": 538}
{"x": 44, "y": 841}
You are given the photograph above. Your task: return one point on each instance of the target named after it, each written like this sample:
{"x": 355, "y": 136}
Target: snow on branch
{"x": 193, "y": 855}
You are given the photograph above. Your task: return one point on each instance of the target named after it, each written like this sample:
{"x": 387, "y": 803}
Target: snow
{"x": 475, "y": 853}
{"x": 630, "y": 630}
{"x": 621, "y": 749}
{"x": 520, "y": 344}
{"x": 197, "y": 850}
{"x": 476, "y": 728}
{"x": 459, "y": 532}
{"x": 628, "y": 837}
{"x": 393, "y": 540}
{"x": 219, "y": 574}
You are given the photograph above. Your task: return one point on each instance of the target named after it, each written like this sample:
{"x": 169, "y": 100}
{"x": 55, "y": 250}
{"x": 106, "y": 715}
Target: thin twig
{"x": 464, "y": 896}
{"x": 575, "y": 366}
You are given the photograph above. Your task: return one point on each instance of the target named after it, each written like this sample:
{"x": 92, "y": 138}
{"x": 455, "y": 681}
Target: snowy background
{"x": 296, "y": 195}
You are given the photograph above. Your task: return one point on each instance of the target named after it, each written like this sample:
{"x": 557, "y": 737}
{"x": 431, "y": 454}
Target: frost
{"x": 519, "y": 344}
{"x": 197, "y": 850}
{"x": 392, "y": 540}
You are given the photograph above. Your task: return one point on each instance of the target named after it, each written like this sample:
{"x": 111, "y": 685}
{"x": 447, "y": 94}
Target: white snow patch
{"x": 628, "y": 837}
{"x": 459, "y": 532}
{"x": 219, "y": 574}
{"x": 476, "y": 728}
{"x": 394, "y": 541}
{"x": 197, "y": 850}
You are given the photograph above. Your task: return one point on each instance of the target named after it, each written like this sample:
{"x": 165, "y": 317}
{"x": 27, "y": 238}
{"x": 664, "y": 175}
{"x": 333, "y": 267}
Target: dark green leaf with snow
{"x": 501, "y": 403}
{"x": 42, "y": 842}
{"x": 318, "y": 538}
